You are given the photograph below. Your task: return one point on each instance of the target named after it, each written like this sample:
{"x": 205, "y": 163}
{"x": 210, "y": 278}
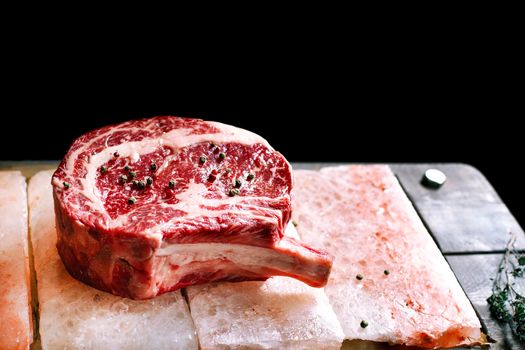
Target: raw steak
{"x": 388, "y": 272}
{"x": 280, "y": 313}
{"x": 76, "y": 316}
{"x": 209, "y": 202}
{"x": 15, "y": 313}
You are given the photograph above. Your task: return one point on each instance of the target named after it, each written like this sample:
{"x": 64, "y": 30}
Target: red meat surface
{"x": 153, "y": 205}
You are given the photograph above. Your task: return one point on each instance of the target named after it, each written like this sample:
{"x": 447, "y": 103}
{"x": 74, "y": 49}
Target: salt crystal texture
{"x": 361, "y": 215}
{"x": 280, "y": 313}
{"x": 15, "y": 314}
{"x": 76, "y": 316}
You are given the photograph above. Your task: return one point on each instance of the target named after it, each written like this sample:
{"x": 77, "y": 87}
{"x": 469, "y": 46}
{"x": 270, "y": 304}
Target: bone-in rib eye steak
{"x": 153, "y": 205}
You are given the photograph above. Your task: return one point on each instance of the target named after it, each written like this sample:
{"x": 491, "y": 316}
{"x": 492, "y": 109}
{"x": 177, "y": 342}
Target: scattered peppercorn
{"x": 67, "y": 185}
{"x": 238, "y": 183}
{"x": 127, "y": 168}
{"x": 103, "y": 169}
{"x": 386, "y": 272}
{"x": 149, "y": 180}
{"x": 202, "y": 159}
{"x": 364, "y": 324}
{"x": 135, "y": 183}
{"x": 116, "y": 154}
{"x": 132, "y": 174}
{"x": 141, "y": 184}
{"x": 213, "y": 144}
{"x": 250, "y": 176}
{"x": 359, "y": 276}
{"x": 233, "y": 192}
{"x": 132, "y": 200}
{"x": 228, "y": 170}
{"x": 171, "y": 184}
{"x": 153, "y": 166}
{"x": 295, "y": 223}
{"x": 123, "y": 179}
{"x": 222, "y": 155}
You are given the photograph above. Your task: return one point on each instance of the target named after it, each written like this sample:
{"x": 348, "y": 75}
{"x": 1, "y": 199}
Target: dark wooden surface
{"x": 466, "y": 218}
{"x": 474, "y": 272}
{"x": 465, "y": 214}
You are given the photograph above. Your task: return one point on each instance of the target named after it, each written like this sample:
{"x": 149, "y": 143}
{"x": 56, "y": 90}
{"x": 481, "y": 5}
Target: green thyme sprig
{"x": 506, "y": 304}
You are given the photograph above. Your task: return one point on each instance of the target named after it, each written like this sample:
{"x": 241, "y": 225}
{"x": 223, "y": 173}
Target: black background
{"x": 434, "y": 97}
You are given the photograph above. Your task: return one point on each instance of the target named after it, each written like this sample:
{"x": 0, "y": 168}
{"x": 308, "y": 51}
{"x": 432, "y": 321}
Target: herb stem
{"x": 506, "y": 304}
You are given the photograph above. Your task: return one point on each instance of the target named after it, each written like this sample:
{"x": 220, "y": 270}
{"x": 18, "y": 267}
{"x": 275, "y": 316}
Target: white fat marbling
{"x": 174, "y": 139}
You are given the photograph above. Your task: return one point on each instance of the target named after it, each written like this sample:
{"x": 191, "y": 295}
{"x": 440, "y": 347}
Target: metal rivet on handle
{"x": 433, "y": 178}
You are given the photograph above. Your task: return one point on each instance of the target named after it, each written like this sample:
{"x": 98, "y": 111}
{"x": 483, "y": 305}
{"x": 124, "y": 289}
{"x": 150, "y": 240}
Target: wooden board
{"x": 465, "y": 214}
{"x": 474, "y": 271}
{"x": 466, "y": 218}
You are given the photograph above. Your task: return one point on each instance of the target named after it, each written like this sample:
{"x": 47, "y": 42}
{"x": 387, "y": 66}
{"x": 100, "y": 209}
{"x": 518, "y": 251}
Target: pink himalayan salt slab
{"x": 361, "y": 215}
{"x": 279, "y": 313}
{"x": 15, "y": 313}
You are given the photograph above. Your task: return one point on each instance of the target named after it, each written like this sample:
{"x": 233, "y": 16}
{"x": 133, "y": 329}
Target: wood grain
{"x": 466, "y": 214}
{"x": 474, "y": 272}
